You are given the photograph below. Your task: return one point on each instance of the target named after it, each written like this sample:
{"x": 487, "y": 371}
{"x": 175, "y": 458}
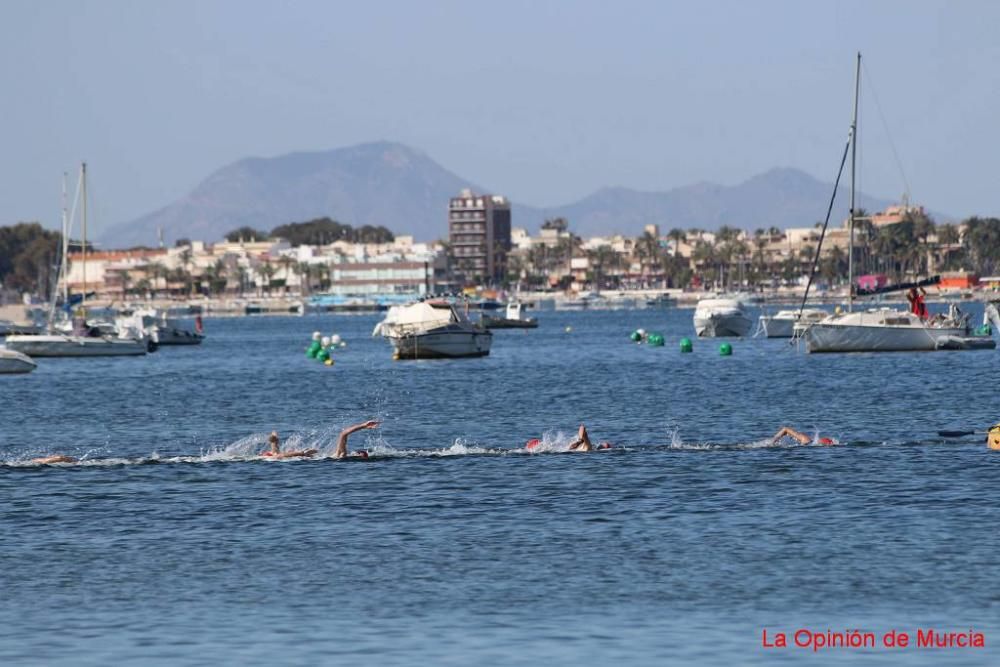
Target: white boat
{"x": 83, "y": 340}
{"x": 881, "y": 330}
{"x": 12, "y": 361}
{"x": 717, "y": 318}
{"x": 433, "y": 329}
{"x": 514, "y": 318}
{"x": 163, "y": 330}
{"x": 784, "y": 323}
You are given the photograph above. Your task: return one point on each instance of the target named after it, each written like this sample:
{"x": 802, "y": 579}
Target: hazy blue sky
{"x": 542, "y": 101}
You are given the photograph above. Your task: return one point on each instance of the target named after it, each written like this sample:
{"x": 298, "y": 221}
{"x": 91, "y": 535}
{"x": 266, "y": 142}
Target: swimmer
{"x": 275, "y": 451}
{"x": 583, "y": 444}
{"x": 341, "y": 451}
{"x": 56, "y": 458}
{"x": 799, "y": 437}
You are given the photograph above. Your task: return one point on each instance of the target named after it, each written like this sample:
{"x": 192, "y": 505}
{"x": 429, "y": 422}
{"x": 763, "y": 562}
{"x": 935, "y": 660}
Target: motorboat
{"x": 883, "y": 330}
{"x": 783, "y": 324}
{"x": 164, "y": 330}
{"x": 12, "y": 361}
{"x": 433, "y": 329}
{"x": 514, "y": 318}
{"x": 721, "y": 317}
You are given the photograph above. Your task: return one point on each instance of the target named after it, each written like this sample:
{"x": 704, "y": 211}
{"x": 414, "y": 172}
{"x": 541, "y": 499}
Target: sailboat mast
{"x": 83, "y": 186}
{"x": 65, "y": 245}
{"x": 854, "y": 153}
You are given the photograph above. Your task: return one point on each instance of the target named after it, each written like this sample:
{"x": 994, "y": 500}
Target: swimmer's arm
{"x": 801, "y": 438}
{"x": 341, "y": 450}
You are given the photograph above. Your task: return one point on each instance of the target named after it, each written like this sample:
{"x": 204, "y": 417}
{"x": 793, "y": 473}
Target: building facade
{"x": 479, "y": 235}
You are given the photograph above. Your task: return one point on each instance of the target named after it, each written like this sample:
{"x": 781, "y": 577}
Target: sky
{"x": 543, "y": 101}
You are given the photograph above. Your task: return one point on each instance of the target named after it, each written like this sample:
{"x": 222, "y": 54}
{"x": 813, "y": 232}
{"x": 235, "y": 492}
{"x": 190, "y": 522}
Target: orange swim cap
{"x": 531, "y": 444}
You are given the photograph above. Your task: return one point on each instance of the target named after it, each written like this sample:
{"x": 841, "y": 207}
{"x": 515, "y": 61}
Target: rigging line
{"x": 826, "y": 222}
{"x": 885, "y": 127}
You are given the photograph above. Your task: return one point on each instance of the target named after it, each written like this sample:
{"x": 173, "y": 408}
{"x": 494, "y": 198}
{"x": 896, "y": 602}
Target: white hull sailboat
{"x": 719, "y": 318}
{"x": 86, "y": 341}
{"x": 59, "y": 345}
{"x": 881, "y": 330}
{"x": 431, "y": 330}
{"x": 877, "y": 330}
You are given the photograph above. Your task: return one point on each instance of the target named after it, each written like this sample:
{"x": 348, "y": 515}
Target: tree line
{"x": 319, "y": 231}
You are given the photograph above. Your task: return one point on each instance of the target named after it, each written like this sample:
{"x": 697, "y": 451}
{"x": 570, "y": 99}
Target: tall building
{"x": 479, "y": 233}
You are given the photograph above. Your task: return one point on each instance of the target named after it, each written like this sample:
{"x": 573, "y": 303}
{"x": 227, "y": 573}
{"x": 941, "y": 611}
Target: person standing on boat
{"x": 917, "y": 305}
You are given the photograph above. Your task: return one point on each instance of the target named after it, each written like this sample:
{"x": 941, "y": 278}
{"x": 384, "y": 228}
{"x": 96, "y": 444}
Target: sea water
{"x": 173, "y": 543}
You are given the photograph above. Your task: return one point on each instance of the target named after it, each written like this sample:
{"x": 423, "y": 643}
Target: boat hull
{"x": 777, "y": 328}
{"x": 505, "y": 323}
{"x": 14, "y": 363}
{"x": 831, "y": 337}
{"x": 76, "y": 346}
{"x": 722, "y": 326}
{"x": 171, "y": 336}
{"x": 441, "y": 344}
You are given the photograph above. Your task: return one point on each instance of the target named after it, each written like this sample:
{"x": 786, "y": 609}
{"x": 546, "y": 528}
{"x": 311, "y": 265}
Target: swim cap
{"x": 826, "y": 441}
{"x": 361, "y": 454}
{"x": 604, "y": 445}
{"x": 531, "y": 444}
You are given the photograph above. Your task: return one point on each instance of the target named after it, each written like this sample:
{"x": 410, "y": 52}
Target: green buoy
{"x": 725, "y": 349}
{"x": 635, "y": 337}
{"x": 313, "y": 349}
{"x": 686, "y": 345}
{"x": 655, "y": 340}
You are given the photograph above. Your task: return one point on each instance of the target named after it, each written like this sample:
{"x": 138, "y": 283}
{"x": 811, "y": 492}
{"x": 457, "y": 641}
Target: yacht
{"x": 785, "y": 323}
{"x": 164, "y": 330}
{"x": 12, "y": 361}
{"x": 721, "y": 317}
{"x": 433, "y": 329}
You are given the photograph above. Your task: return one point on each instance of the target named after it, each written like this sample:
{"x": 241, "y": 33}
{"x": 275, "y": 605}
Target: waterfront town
{"x": 334, "y": 266}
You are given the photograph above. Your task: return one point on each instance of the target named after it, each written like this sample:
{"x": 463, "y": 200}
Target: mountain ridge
{"x": 402, "y": 188}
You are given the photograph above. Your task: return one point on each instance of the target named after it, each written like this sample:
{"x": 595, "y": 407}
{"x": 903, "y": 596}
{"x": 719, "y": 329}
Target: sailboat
{"x": 83, "y": 341}
{"x": 880, "y": 329}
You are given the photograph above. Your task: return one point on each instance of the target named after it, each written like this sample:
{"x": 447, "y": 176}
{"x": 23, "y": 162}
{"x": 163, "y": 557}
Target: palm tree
{"x": 267, "y": 271}
{"x": 677, "y": 236}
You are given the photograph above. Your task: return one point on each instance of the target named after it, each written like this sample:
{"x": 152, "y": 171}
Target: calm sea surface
{"x": 173, "y": 544}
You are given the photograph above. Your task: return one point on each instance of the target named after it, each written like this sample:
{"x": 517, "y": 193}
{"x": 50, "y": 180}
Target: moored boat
{"x": 433, "y": 329}
{"x": 14, "y": 362}
{"x": 721, "y": 317}
{"x": 514, "y": 318}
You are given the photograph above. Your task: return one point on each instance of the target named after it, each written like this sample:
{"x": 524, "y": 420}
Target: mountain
{"x": 403, "y": 189}
{"x": 378, "y": 183}
{"x": 781, "y": 197}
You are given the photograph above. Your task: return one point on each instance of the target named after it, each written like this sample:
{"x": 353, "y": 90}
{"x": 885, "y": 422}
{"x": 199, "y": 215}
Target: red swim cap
{"x": 531, "y": 444}
{"x": 826, "y": 441}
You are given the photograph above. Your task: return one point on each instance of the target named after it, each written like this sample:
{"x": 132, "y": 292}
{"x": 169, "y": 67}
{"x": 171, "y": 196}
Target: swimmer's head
{"x": 605, "y": 445}
{"x": 993, "y": 437}
{"x": 273, "y": 437}
{"x": 827, "y": 441}
{"x": 531, "y": 444}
